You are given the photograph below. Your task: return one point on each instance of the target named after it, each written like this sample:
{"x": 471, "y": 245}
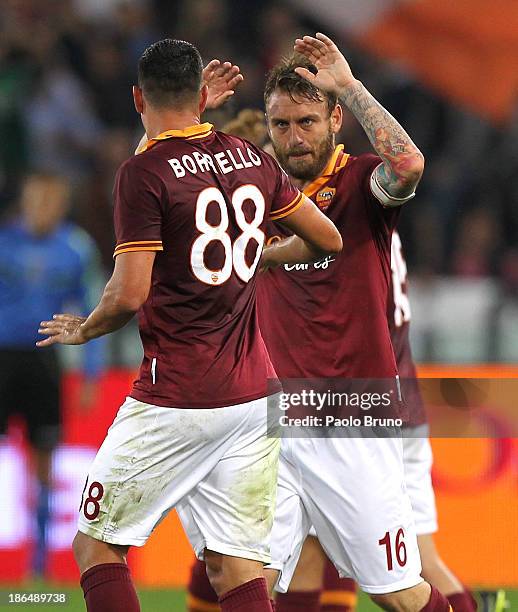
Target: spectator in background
{"x": 61, "y": 123}
{"x": 110, "y": 81}
{"x": 45, "y": 264}
{"x": 16, "y": 72}
{"x": 206, "y": 23}
{"x": 477, "y": 241}
{"x": 94, "y": 211}
{"x": 278, "y": 27}
{"x": 135, "y": 20}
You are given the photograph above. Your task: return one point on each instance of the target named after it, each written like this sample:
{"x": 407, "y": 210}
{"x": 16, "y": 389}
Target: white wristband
{"x": 384, "y": 198}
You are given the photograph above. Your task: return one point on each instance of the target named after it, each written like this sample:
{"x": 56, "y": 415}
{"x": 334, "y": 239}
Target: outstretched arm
{"x": 123, "y": 295}
{"x": 403, "y": 163}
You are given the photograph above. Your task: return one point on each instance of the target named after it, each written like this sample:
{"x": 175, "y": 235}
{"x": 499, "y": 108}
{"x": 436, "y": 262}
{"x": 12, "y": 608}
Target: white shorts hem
{"x": 274, "y": 566}
{"x": 232, "y": 551}
{"x": 426, "y": 528}
{"x": 111, "y": 538}
{"x": 284, "y": 579}
{"x": 407, "y": 583}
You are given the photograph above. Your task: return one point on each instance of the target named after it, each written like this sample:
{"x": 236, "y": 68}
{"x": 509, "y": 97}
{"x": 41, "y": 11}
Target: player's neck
{"x": 299, "y": 183}
{"x": 158, "y": 123}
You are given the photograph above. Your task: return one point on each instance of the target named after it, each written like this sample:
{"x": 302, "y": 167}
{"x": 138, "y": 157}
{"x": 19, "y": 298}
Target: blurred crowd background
{"x": 66, "y": 70}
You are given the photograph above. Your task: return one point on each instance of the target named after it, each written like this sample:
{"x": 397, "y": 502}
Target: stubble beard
{"x": 307, "y": 170}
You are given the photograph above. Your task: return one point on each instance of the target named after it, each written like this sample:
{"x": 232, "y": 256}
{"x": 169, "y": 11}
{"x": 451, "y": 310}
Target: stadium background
{"x": 448, "y": 71}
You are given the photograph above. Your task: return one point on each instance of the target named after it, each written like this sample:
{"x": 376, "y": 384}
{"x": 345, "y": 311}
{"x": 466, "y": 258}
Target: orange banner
{"x": 466, "y": 50}
{"x": 476, "y": 485}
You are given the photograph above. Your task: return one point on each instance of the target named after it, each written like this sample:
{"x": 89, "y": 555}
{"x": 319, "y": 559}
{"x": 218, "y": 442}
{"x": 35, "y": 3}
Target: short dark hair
{"x": 170, "y": 72}
{"x": 284, "y": 78}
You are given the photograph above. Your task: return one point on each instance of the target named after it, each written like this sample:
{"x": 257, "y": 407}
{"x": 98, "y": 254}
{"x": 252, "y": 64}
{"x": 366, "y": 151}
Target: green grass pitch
{"x": 151, "y": 600}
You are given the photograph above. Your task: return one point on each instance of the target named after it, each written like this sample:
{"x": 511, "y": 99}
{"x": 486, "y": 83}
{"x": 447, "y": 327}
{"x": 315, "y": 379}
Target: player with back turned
{"x": 190, "y": 213}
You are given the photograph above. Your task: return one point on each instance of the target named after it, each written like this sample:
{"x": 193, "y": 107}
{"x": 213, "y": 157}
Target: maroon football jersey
{"x": 399, "y": 316}
{"x": 329, "y": 319}
{"x": 201, "y": 199}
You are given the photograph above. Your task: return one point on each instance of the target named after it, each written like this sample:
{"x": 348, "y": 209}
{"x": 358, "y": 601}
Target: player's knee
{"x": 271, "y": 576}
{"x": 80, "y": 549}
{"x": 385, "y": 602}
{"x": 89, "y": 552}
{"x": 430, "y": 565}
{"x": 407, "y": 600}
{"x": 310, "y": 567}
{"x": 312, "y": 556}
{"x": 226, "y": 573}
{"x": 215, "y": 571}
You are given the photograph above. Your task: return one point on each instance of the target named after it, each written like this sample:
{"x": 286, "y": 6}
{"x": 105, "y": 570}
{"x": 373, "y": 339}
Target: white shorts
{"x": 418, "y": 461}
{"x": 353, "y": 491}
{"x": 417, "y": 458}
{"x": 216, "y": 466}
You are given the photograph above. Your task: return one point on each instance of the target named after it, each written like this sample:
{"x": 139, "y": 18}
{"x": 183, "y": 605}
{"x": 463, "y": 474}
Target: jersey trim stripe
{"x": 140, "y": 242}
{"x": 287, "y": 210}
{"x": 310, "y": 190}
{"x": 138, "y": 245}
{"x": 281, "y": 210}
{"x": 132, "y": 249}
{"x": 337, "y": 162}
{"x": 198, "y": 136}
{"x": 193, "y": 132}
{"x": 342, "y": 162}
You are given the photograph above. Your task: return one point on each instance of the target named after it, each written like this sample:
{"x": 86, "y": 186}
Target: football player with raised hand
{"x": 329, "y": 320}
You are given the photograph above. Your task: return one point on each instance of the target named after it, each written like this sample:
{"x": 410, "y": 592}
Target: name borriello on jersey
{"x": 201, "y": 199}
{"x": 222, "y": 162}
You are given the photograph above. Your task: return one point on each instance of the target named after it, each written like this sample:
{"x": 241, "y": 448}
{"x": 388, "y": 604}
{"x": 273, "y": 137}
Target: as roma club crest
{"x": 324, "y": 197}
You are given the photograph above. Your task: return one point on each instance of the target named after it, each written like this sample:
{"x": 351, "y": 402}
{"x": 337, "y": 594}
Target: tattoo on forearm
{"x": 397, "y": 175}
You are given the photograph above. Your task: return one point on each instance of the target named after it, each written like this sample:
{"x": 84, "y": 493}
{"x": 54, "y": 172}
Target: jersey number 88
{"x": 234, "y": 254}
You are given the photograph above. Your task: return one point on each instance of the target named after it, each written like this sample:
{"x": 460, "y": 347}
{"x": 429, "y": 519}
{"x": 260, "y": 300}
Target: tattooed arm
{"x": 403, "y": 163}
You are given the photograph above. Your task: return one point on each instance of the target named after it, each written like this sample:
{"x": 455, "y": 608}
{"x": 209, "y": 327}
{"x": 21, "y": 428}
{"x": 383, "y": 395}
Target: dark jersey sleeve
{"x": 285, "y": 197}
{"x": 139, "y": 197}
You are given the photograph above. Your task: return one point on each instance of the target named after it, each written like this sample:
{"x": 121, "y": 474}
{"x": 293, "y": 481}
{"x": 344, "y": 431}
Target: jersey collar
{"x": 193, "y": 132}
{"x": 335, "y": 164}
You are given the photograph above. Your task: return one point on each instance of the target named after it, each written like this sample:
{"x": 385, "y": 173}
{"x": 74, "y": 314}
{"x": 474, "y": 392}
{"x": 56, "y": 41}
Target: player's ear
{"x": 138, "y": 99}
{"x": 337, "y": 116}
{"x": 204, "y": 94}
